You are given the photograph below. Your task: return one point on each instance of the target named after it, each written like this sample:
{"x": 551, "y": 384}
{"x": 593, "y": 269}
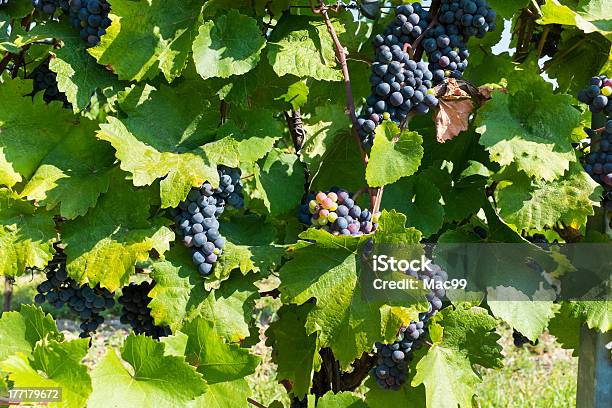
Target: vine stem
{"x": 257, "y": 404}
{"x": 350, "y": 101}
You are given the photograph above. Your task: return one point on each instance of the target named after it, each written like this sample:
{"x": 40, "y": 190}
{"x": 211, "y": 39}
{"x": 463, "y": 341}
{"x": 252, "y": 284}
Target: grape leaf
{"x": 530, "y": 317}
{"x": 26, "y": 235}
{"x": 531, "y": 127}
{"x": 119, "y": 234}
{"x": 301, "y": 46}
{"x": 54, "y": 365}
{"x": 229, "y": 45}
{"x": 281, "y": 182}
{"x": 296, "y": 95}
{"x": 224, "y": 366}
{"x": 565, "y": 326}
{"x": 73, "y": 174}
{"x": 148, "y": 36}
{"x": 419, "y": 200}
{"x": 327, "y": 125}
{"x": 20, "y": 331}
{"x": 596, "y": 314}
{"x": 392, "y": 159}
{"x": 591, "y": 16}
{"x": 288, "y": 335}
{"x": 17, "y": 9}
{"x": 343, "y": 399}
{"x": 251, "y": 247}
{"x": 179, "y": 295}
{"x": 446, "y": 370}
{"x": 144, "y": 376}
{"x": 538, "y": 204}
{"x": 329, "y": 270}
{"x": 341, "y": 164}
{"x": 174, "y": 150}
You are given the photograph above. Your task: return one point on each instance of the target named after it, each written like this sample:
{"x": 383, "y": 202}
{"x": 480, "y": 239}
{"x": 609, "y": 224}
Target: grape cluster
{"x": 45, "y": 80}
{"x": 445, "y": 43}
{"x": 391, "y": 367}
{"x": 520, "y": 340}
{"x": 197, "y": 217}
{"x": 598, "y": 163}
{"x": 552, "y": 40}
{"x": 598, "y": 95}
{"x": 91, "y": 17}
{"x": 59, "y": 290}
{"x": 399, "y": 84}
{"x": 337, "y": 213}
{"x": 136, "y": 312}
{"x": 3, "y": 2}
{"x": 50, "y": 6}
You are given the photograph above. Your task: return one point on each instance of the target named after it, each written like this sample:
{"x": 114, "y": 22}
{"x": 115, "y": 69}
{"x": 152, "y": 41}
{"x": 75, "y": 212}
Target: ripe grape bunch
{"x": 46, "y": 80}
{"x": 197, "y": 217}
{"x": 445, "y": 43}
{"x": 337, "y": 213}
{"x": 598, "y": 162}
{"x": 91, "y": 17}
{"x": 391, "y": 367}
{"x": 399, "y": 84}
{"x": 50, "y": 6}
{"x": 598, "y": 95}
{"x": 136, "y": 312}
{"x": 59, "y": 290}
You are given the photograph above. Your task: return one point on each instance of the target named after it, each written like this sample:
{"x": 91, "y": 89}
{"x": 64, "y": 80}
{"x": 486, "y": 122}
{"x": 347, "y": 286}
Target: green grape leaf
{"x": 17, "y": 9}
{"x": 419, "y": 200}
{"x": 250, "y": 247}
{"x": 468, "y": 337}
{"x": 119, "y": 234}
{"x": 506, "y": 9}
{"x": 179, "y": 294}
{"x": 323, "y": 129}
{"x": 61, "y": 161}
{"x": 591, "y": 16}
{"x": 596, "y": 314}
{"x": 301, "y": 46}
{"x": 344, "y": 399}
{"x": 296, "y": 95}
{"x": 26, "y": 235}
{"x": 330, "y": 271}
{"x": 280, "y": 182}
{"x": 54, "y": 365}
{"x": 330, "y": 150}
{"x": 448, "y": 378}
{"x": 20, "y": 331}
{"x": 392, "y": 159}
{"x": 224, "y": 366}
{"x": 531, "y": 128}
{"x": 527, "y": 204}
{"x": 178, "y": 150}
{"x": 229, "y": 45}
{"x": 144, "y": 376}
{"x": 73, "y": 174}
{"x": 565, "y": 326}
{"x": 288, "y": 335}
{"x": 78, "y": 75}
{"x": 148, "y": 36}
{"x": 530, "y": 317}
